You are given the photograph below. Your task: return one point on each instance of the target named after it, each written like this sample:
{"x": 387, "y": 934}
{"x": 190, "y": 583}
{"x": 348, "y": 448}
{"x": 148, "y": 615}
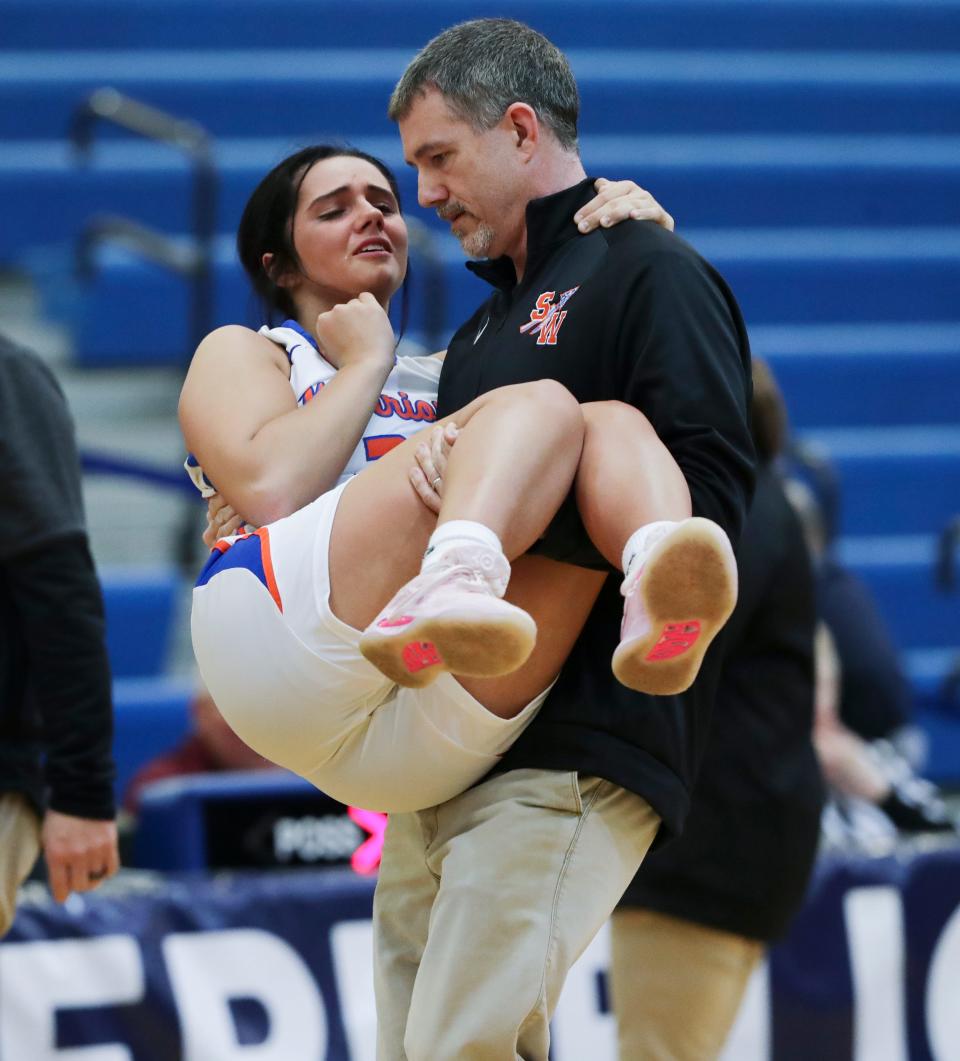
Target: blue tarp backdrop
{"x": 276, "y": 966}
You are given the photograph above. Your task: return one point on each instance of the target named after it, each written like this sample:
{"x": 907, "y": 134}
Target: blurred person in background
{"x": 862, "y": 732}
{"x": 874, "y": 696}
{"x": 56, "y": 715}
{"x": 696, "y": 919}
{"x": 210, "y": 747}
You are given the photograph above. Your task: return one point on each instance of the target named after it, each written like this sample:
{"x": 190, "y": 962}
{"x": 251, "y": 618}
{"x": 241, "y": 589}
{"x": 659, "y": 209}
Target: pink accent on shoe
{"x": 419, "y": 654}
{"x": 451, "y": 618}
{"x": 676, "y": 602}
{"x": 675, "y": 640}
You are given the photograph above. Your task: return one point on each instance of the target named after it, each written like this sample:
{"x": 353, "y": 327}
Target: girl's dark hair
{"x": 266, "y": 226}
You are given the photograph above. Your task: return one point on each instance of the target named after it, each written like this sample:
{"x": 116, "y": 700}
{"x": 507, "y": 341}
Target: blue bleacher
{"x": 784, "y": 25}
{"x": 809, "y": 148}
{"x": 151, "y": 709}
{"x": 894, "y": 480}
{"x": 900, "y": 571}
{"x": 716, "y": 181}
{"x": 151, "y": 716}
{"x": 247, "y": 93}
{"x": 879, "y": 373}
{"x": 141, "y": 605}
{"x": 779, "y": 275}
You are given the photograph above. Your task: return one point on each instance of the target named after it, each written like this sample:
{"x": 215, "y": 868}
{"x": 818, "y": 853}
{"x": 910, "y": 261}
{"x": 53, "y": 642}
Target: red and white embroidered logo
{"x": 547, "y": 316}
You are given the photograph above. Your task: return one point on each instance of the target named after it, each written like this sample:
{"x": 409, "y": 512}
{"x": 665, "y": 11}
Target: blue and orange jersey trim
{"x": 296, "y": 327}
{"x": 248, "y": 551}
{"x": 304, "y": 334}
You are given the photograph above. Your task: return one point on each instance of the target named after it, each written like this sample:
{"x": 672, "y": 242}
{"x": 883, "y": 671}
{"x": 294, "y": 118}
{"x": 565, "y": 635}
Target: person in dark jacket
{"x": 695, "y": 920}
{"x": 485, "y": 901}
{"x": 56, "y": 716}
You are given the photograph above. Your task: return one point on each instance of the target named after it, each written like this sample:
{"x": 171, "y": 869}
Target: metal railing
{"x": 192, "y": 260}
{"x": 148, "y": 473}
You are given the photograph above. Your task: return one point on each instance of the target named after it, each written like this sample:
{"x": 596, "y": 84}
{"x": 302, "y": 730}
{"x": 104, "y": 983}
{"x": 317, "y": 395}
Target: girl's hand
{"x": 357, "y": 332}
{"x": 427, "y": 474}
{"x": 618, "y": 201}
{"x": 222, "y": 521}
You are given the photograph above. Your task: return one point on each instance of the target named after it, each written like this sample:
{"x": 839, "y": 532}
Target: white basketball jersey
{"x": 406, "y": 405}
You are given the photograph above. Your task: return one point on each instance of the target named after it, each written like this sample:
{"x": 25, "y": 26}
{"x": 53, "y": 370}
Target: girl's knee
{"x": 553, "y": 400}
{"x": 544, "y": 402}
{"x": 615, "y": 413}
{"x": 545, "y": 392}
{"x": 615, "y": 423}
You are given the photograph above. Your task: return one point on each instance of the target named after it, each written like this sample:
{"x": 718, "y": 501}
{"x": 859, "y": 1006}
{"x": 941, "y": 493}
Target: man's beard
{"x": 477, "y": 243}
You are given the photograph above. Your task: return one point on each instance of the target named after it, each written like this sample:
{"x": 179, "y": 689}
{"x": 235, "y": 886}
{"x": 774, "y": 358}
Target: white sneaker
{"x": 678, "y": 596}
{"x": 451, "y": 618}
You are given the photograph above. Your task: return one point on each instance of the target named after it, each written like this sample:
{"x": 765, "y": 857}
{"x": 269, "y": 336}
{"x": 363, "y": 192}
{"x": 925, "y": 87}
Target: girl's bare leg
{"x": 627, "y": 477}
{"x": 681, "y": 576}
{"x": 513, "y": 464}
{"x": 626, "y": 480}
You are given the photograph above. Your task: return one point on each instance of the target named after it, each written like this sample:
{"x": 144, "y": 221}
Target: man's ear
{"x": 522, "y": 121}
{"x": 282, "y": 278}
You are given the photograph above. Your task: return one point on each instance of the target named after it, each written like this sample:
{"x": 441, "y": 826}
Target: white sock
{"x": 641, "y": 541}
{"x": 459, "y": 532}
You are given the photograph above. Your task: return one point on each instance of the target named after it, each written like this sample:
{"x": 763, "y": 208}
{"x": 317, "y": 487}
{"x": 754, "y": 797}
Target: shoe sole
{"x": 689, "y": 587}
{"x": 456, "y": 643}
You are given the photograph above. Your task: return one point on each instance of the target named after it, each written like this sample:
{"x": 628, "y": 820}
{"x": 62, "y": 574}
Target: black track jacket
{"x": 630, "y": 313}
{"x": 56, "y": 715}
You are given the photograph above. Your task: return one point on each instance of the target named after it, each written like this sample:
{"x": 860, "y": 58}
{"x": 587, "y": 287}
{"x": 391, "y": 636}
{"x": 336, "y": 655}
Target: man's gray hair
{"x": 483, "y": 66}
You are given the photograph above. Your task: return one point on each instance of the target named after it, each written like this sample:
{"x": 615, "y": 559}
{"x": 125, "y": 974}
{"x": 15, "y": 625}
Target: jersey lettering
{"x": 402, "y": 406}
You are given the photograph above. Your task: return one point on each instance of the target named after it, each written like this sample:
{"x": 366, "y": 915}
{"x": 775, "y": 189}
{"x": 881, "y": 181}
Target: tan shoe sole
{"x": 461, "y": 644}
{"x": 689, "y": 589}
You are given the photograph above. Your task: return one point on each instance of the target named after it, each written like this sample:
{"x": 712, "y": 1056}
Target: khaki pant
{"x": 676, "y": 986}
{"x": 484, "y": 902}
{"x": 19, "y": 847}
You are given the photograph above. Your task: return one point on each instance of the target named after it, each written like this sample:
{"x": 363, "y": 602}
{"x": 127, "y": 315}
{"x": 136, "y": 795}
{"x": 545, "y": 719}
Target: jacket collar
{"x": 549, "y": 224}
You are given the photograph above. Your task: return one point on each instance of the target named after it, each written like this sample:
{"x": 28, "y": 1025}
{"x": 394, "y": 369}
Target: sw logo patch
{"x": 547, "y": 317}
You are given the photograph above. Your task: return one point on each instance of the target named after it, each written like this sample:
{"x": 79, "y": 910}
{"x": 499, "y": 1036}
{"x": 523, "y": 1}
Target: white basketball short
{"x": 289, "y": 678}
